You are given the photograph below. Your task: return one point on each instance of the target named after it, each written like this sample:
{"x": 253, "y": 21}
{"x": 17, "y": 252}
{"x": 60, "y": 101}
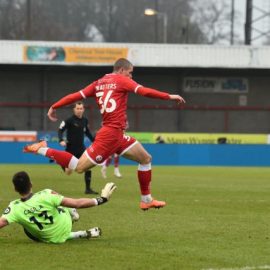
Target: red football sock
{"x": 116, "y": 161}
{"x": 61, "y": 157}
{"x": 144, "y": 180}
{"x": 108, "y": 161}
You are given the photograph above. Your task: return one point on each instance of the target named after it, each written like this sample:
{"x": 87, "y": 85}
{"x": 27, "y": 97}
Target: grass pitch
{"x": 215, "y": 218}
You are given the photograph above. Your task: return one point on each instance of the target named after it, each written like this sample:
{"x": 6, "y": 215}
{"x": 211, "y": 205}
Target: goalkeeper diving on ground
{"x": 47, "y": 216}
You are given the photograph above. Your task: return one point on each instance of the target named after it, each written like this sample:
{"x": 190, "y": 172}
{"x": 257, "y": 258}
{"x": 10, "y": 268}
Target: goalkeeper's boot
{"x": 153, "y": 204}
{"x": 93, "y": 232}
{"x": 33, "y": 148}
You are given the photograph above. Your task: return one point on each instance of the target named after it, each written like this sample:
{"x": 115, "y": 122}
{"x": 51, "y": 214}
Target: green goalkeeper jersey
{"x": 42, "y": 216}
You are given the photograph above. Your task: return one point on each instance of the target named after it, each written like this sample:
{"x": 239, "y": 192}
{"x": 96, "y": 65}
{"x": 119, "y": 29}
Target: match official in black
{"x": 76, "y": 128}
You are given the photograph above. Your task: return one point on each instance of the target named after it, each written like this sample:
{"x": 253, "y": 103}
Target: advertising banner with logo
{"x": 143, "y": 137}
{"x": 215, "y": 85}
{"x": 66, "y": 54}
{"x": 94, "y": 55}
{"x": 200, "y": 138}
{"x": 218, "y": 138}
{"x": 149, "y": 137}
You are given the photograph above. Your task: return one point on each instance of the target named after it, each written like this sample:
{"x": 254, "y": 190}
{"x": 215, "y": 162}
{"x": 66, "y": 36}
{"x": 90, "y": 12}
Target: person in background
{"x": 47, "y": 216}
{"x": 107, "y": 163}
{"x": 76, "y": 127}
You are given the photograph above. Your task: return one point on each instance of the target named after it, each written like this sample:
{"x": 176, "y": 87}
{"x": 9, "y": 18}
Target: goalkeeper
{"x": 47, "y": 216}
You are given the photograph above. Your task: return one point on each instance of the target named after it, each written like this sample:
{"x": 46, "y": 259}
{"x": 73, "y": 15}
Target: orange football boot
{"x": 33, "y": 148}
{"x": 153, "y": 204}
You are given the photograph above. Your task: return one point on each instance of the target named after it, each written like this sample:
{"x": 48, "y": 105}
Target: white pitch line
{"x": 226, "y": 201}
{"x": 263, "y": 267}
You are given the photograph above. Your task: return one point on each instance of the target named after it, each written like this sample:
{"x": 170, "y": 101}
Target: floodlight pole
{"x": 248, "y": 23}
{"x": 153, "y": 12}
{"x": 110, "y": 21}
{"x": 165, "y": 25}
{"x": 232, "y": 23}
{"x": 28, "y": 27}
{"x": 156, "y": 21}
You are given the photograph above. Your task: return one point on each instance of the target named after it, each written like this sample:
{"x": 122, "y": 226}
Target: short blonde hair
{"x": 122, "y": 63}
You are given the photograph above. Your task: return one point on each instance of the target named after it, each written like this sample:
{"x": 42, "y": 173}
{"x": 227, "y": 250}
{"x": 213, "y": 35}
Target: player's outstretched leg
{"x": 139, "y": 154}
{"x": 91, "y": 233}
{"x": 33, "y": 148}
{"x": 63, "y": 158}
{"x": 144, "y": 176}
{"x": 153, "y": 204}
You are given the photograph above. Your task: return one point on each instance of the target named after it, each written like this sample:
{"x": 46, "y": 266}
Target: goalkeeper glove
{"x": 106, "y": 193}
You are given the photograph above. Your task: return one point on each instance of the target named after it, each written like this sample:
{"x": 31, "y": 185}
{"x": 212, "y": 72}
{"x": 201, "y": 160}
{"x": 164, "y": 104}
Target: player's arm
{"x": 131, "y": 85}
{"x": 69, "y": 99}
{"x": 3, "y": 222}
{"x": 152, "y": 93}
{"x": 90, "y": 202}
{"x": 177, "y": 98}
{"x": 78, "y": 203}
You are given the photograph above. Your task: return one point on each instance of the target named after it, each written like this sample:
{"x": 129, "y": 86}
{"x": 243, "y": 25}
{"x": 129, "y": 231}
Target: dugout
{"x": 27, "y": 90}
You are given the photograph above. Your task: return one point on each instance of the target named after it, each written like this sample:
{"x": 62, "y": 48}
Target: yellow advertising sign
{"x": 94, "y": 55}
{"x": 74, "y": 54}
{"x": 200, "y": 138}
{"x": 205, "y": 138}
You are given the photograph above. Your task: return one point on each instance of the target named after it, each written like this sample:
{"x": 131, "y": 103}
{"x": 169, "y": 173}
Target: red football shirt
{"x": 111, "y": 93}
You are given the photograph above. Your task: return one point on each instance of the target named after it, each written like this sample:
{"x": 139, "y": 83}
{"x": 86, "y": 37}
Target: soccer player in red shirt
{"x": 111, "y": 94}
